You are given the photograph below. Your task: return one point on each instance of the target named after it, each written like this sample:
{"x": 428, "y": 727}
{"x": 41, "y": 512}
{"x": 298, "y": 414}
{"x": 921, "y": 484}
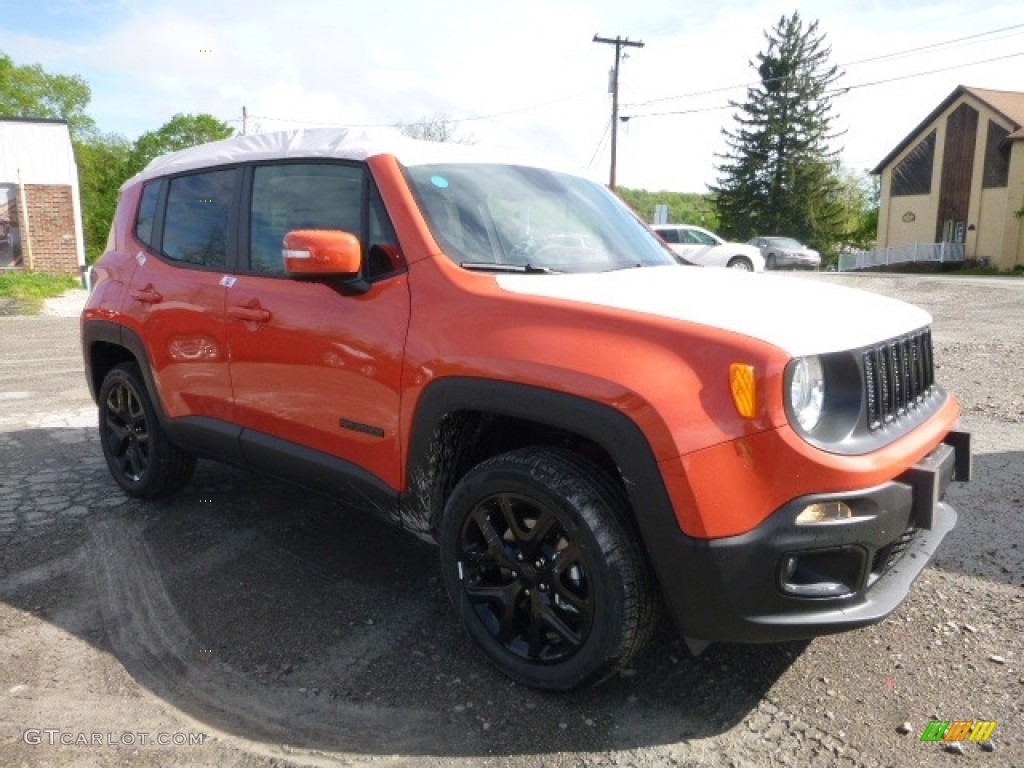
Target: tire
{"x": 544, "y": 569}
{"x": 769, "y": 262}
{"x": 140, "y": 457}
{"x": 741, "y": 263}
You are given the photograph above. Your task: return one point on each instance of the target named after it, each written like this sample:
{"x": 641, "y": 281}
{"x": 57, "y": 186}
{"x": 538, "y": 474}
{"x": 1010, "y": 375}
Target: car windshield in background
{"x": 783, "y": 242}
{"x": 516, "y": 218}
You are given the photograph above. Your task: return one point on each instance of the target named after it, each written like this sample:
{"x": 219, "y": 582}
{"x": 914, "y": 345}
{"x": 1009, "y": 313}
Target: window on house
{"x": 913, "y": 174}
{"x": 997, "y": 157}
{"x": 10, "y": 233}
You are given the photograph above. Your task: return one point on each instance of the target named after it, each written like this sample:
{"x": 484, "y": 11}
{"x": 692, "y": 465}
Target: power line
{"x": 842, "y": 90}
{"x": 399, "y": 124}
{"x": 880, "y": 57}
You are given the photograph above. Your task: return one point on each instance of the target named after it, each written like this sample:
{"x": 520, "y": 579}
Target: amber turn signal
{"x": 743, "y": 385}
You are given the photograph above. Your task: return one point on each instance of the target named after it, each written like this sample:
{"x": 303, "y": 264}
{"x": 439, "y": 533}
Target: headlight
{"x": 807, "y": 391}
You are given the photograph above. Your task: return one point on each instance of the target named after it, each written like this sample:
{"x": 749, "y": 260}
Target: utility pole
{"x": 245, "y": 120}
{"x": 613, "y": 86}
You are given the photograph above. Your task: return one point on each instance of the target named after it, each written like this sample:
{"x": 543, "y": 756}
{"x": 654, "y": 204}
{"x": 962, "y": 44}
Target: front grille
{"x": 898, "y": 375}
{"x": 888, "y": 555}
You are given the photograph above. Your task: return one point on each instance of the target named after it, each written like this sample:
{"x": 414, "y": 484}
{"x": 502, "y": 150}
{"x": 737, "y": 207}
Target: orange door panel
{"x": 321, "y": 369}
{"x": 180, "y": 315}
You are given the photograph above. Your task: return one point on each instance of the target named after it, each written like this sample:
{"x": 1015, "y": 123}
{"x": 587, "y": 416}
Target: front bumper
{"x": 785, "y": 581}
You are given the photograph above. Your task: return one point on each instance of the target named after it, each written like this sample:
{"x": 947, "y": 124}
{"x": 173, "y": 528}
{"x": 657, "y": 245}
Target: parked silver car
{"x": 786, "y": 253}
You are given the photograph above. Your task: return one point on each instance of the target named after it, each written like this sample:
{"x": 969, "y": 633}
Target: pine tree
{"x": 779, "y": 176}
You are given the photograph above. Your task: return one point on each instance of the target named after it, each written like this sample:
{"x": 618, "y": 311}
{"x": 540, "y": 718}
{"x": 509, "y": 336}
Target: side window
{"x": 147, "y": 213}
{"x": 198, "y": 217}
{"x": 669, "y": 235}
{"x": 300, "y": 196}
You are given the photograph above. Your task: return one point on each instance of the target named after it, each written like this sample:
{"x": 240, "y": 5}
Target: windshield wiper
{"x": 488, "y": 266}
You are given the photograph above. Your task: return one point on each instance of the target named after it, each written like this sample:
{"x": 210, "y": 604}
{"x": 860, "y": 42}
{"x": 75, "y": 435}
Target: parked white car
{"x": 696, "y": 245}
{"x": 785, "y": 252}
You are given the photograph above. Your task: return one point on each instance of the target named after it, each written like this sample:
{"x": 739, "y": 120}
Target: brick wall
{"x": 51, "y": 227}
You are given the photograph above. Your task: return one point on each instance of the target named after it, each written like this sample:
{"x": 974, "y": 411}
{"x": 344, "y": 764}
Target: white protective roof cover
{"x": 339, "y": 143}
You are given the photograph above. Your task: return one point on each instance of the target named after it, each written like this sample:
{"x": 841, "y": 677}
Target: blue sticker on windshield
{"x": 439, "y": 181}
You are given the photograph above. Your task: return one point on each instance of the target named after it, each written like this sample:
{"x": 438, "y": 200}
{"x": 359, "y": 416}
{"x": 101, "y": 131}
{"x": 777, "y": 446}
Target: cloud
{"x": 529, "y": 68}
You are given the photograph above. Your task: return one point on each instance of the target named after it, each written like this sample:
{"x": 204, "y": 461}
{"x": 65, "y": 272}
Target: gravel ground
{"x": 279, "y": 630}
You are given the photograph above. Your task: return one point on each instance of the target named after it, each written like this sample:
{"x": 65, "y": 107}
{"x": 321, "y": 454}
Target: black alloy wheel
{"x": 544, "y": 568}
{"x": 140, "y": 457}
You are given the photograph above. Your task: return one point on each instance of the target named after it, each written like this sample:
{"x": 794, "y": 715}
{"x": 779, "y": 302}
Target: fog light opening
{"x": 830, "y": 573}
{"x": 824, "y": 512}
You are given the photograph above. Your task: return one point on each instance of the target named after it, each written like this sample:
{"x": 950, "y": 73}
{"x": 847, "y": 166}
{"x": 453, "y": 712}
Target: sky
{"x": 515, "y": 73}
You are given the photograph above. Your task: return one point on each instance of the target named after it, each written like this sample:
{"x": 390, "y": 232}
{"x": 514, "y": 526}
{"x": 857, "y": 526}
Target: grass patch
{"x": 28, "y": 290}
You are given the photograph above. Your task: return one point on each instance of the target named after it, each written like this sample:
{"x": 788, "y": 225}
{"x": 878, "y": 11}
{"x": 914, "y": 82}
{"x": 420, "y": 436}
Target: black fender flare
{"x": 604, "y": 425}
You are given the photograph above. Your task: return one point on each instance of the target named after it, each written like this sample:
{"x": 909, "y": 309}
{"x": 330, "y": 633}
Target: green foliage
{"x": 28, "y": 91}
{"x": 104, "y": 162}
{"x": 683, "y": 207}
{"x": 180, "y": 132}
{"x": 29, "y": 289}
{"x": 779, "y": 175}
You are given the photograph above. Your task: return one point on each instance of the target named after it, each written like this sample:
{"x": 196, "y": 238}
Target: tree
{"x": 180, "y": 132}
{"x": 858, "y": 197}
{"x": 683, "y": 207}
{"x": 780, "y": 174}
{"x": 104, "y": 162}
{"x": 440, "y": 127}
{"x": 28, "y": 91}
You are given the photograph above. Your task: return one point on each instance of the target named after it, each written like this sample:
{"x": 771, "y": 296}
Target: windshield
{"x": 515, "y": 218}
{"x": 783, "y": 242}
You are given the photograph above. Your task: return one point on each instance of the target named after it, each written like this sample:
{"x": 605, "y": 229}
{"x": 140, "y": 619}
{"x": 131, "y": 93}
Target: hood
{"x": 799, "y": 316}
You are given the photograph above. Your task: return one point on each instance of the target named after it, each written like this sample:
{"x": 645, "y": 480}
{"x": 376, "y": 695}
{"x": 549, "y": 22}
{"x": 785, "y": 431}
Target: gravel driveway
{"x": 247, "y": 623}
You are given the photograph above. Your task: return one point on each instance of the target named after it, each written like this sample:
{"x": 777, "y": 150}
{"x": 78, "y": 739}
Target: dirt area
{"x": 247, "y": 623}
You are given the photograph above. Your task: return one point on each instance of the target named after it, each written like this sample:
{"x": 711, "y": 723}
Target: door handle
{"x": 147, "y": 295}
{"x": 250, "y": 313}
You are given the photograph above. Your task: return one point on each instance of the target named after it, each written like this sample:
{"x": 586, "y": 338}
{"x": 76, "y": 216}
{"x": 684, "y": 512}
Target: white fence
{"x": 940, "y": 252}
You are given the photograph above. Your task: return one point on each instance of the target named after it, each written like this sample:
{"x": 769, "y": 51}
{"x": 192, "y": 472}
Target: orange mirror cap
{"x": 321, "y": 252}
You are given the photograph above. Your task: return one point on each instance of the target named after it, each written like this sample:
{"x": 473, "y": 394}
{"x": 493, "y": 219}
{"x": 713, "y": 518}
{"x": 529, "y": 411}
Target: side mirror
{"x": 321, "y": 252}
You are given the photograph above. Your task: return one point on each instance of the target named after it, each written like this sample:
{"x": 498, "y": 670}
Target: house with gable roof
{"x": 40, "y": 208}
{"x": 958, "y": 177}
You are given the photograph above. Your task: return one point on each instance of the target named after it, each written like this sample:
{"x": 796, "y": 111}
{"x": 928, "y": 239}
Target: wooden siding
{"x": 913, "y": 174}
{"x": 997, "y": 157}
{"x": 957, "y": 167}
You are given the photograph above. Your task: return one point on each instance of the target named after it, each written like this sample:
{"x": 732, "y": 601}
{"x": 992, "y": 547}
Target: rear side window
{"x": 147, "y": 213}
{"x": 197, "y": 219}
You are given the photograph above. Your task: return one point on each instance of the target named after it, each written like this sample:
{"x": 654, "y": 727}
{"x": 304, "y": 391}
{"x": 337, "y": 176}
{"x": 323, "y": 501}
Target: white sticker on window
{"x": 140, "y": 257}
{"x": 227, "y": 281}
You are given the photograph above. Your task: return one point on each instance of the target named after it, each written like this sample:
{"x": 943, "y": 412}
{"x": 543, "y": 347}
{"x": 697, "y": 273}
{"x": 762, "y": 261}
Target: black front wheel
{"x": 140, "y": 457}
{"x": 544, "y": 568}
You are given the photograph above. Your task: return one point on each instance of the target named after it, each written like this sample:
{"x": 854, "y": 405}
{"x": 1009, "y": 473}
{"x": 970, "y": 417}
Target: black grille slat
{"x": 888, "y": 555}
{"x": 898, "y": 375}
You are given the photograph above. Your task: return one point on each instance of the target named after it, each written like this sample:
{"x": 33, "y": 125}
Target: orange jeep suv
{"x": 501, "y": 358}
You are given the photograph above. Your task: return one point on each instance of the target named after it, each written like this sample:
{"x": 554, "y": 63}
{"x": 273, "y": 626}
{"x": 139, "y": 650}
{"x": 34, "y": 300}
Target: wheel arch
{"x": 460, "y": 422}
{"x": 105, "y": 345}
